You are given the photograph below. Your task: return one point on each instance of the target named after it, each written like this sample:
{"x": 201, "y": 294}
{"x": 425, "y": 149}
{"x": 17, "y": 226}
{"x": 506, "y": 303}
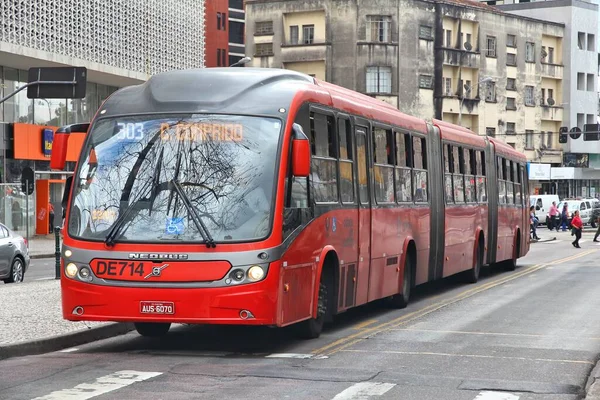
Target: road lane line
{"x": 71, "y": 350}
{"x": 103, "y": 385}
{"x": 349, "y": 340}
{"x": 363, "y": 390}
{"x": 289, "y": 355}
{"x": 44, "y": 279}
{"x": 531, "y": 335}
{"x": 489, "y": 395}
{"x": 364, "y": 324}
{"x": 435, "y": 354}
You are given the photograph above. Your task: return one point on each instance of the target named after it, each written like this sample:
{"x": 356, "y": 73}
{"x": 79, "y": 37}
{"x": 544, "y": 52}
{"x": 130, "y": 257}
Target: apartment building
{"x": 462, "y": 61}
{"x": 579, "y": 172}
{"x": 225, "y": 25}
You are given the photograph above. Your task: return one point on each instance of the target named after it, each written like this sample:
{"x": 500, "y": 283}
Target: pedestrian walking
{"x": 564, "y": 218}
{"x": 553, "y": 217}
{"x": 533, "y": 223}
{"x": 577, "y": 226}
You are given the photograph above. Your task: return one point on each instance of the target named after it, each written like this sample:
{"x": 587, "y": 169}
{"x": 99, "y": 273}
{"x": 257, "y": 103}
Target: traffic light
{"x": 591, "y": 132}
{"x": 562, "y": 134}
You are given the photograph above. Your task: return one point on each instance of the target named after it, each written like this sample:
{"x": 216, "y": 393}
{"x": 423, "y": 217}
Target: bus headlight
{"x": 255, "y": 273}
{"x": 71, "y": 270}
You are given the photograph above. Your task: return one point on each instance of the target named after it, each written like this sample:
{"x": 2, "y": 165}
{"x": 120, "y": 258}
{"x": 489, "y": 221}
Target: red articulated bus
{"x": 266, "y": 197}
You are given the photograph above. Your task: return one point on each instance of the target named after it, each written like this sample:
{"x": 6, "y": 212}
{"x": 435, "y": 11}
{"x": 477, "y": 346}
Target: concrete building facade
{"x": 580, "y": 93}
{"x": 120, "y": 42}
{"x": 461, "y": 61}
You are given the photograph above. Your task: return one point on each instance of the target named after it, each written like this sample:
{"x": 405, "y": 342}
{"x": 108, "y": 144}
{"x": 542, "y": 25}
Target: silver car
{"x": 14, "y": 256}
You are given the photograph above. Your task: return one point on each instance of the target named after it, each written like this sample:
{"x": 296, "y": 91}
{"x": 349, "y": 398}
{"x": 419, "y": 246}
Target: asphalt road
{"x": 529, "y": 334}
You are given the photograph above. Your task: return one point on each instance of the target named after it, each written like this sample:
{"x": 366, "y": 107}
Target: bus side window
{"x": 458, "y": 179}
{"x": 345, "y": 161}
{"x": 383, "y": 170}
{"x": 324, "y": 158}
{"x": 481, "y": 179}
{"x": 402, "y": 170}
{"x": 448, "y": 168}
{"x": 420, "y": 170}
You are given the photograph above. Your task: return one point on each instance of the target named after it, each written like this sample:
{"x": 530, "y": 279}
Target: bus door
{"x": 364, "y": 215}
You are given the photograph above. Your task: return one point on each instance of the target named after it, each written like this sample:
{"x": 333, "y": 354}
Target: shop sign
{"x": 563, "y": 173}
{"x": 576, "y": 160}
{"x": 47, "y": 139}
{"x": 539, "y": 172}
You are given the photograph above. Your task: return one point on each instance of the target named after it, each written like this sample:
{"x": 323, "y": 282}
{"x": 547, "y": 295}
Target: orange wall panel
{"x": 27, "y": 139}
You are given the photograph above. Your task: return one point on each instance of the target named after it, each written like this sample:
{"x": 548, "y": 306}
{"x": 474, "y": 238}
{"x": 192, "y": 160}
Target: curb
{"x": 592, "y": 386}
{"x": 61, "y": 342}
{"x": 36, "y": 256}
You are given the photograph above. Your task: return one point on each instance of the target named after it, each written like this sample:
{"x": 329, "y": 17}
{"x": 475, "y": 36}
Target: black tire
{"x": 472, "y": 275}
{"x": 17, "y": 272}
{"x": 312, "y": 328}
{"x": 152, "y": 329}
{"x": 511, "y": 265}
{"x": 593, "y": 223}
{"x": 401, "y": 300}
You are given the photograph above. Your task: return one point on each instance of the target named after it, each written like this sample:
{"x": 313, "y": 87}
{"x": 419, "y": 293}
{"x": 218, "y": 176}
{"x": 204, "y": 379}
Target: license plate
{"x": 157, "y": 307}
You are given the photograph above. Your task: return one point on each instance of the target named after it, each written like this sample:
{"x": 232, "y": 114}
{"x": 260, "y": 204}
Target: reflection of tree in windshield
{"x": 228, "y": 180}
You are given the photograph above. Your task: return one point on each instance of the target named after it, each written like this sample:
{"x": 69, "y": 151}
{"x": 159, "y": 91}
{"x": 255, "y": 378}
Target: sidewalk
{"x": 38, "y": 326}
{"x": 41, "y": 246}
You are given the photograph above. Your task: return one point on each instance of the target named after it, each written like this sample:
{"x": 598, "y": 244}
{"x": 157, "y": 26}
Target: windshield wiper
{"x": 206, "y": 236}
{"x": 122, "y": 219}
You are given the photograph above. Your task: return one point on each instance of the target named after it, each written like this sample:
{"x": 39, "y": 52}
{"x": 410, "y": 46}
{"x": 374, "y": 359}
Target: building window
{"x": 550, "y": 96}
{"x": 490, "y": 94}
{"x": 264, "y": 28}
{"x": 511, "y": 41}
{"x": 510, "y": 128}
{"x": 529, "y": 97}
{"x": 219, "y": 20}
{"x": 222, "y": 21}
{"x": 590, "y": 82}
{"x": 550, "y": 140}
{"x": 447, "y": 86}
{"x": 223, "y": 56}
{"x": 528, "y": 139}
{"x": 491, "y": 132}
{"x": 380, "y": 28}
{"x": 294, "y": 34}
{"x": 580, "y": 120}
{"x": 491, "y": 46}
{"x": 467, "y": 41}
{"x": 591, "y": 42}
{"x": 510, "y": 103}
{"x": 550, "y": 55}
{"x": 425, "y": 81}
{"x": 379, "y": 80}
{"x": 425, "y": 32}
{"x": 308, "y": 34}
{"x": 581, "y": 40}
{"x": 264, "y": 49}
{"x": 530, "y": 52}
{"x": 448, "y": 38}
{"x": 511, "y": 59}
{"x": 511, "y": 84}
{"x": 580, "y": 81}
{"x": 219, "y": 58}
{"x": 468, "y": 89}
{"x": 236, "y": 32}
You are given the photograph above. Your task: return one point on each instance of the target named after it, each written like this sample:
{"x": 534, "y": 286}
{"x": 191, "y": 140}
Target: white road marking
{"x": 103, "y": 385}
{"x": 364, "y": 390}
{"x": 72, "y": 349}
{"x": 489, "y": 395}
{"x": 44, "y": 279}
{"x": 289, "y": 355}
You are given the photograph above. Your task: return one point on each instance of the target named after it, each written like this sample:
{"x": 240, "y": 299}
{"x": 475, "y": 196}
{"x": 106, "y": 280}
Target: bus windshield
{"x": 176, "y": 178}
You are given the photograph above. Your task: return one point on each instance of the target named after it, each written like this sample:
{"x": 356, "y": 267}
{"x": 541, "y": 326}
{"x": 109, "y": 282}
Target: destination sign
{"x": 202, "y": 131}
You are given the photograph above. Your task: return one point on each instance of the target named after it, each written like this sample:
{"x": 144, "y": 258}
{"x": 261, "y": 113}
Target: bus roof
{"x": 506, "y": 150}
{"x": 457, "y": 133}
{"x": 259, "y": 91}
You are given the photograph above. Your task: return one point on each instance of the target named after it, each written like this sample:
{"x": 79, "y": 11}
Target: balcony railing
{"x": 554, "y": 71}
{"x": 458, "y": 57}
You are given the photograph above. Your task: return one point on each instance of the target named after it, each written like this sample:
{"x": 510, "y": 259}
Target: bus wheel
{"x": 400, "y": 300}
{"x": 473, "y": 273}
{"x": 152, "y": 329}
{"x": 312, "y": 328}
{"x": 511, "y": 265}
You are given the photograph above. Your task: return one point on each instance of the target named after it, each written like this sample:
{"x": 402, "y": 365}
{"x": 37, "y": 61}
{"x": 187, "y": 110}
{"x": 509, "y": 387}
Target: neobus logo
{"x": 157, "y": 256}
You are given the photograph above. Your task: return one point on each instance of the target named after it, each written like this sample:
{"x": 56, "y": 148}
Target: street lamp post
{"x": 468, "y": 89}
{"x": 243, "y": 61}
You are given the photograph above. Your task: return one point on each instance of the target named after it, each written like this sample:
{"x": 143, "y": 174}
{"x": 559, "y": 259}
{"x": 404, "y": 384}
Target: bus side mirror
{"x": 60, "y": 144}
{"x": 300, "y": 153}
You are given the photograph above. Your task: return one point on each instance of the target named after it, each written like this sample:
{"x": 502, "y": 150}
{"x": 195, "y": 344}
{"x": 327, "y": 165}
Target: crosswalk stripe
{"x": 362, "y": 390}
{"x": 489, "y": 395}
{"x": 289, "y": 355}
{"x": 103, "y": 385}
